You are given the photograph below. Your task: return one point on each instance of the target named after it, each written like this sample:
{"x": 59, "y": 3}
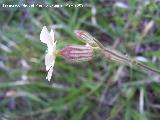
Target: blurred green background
{"x": 93, "y": 90}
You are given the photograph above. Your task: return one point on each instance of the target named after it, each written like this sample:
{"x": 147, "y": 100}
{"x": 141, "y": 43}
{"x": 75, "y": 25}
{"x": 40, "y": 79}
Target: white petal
{"x": 45, "y": 36}
{"x": 52, "y": 35}
{"x": 49, "y": 75}
{"x": 54, "y": 42}
{"x": 48, "y": 38}
{"x": 49, "y": 60}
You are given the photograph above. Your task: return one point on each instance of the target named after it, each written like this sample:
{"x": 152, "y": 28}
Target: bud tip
{"x": 78, "y": 33}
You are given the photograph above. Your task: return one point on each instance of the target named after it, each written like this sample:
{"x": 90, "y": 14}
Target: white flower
{"x": 48, "y": 38}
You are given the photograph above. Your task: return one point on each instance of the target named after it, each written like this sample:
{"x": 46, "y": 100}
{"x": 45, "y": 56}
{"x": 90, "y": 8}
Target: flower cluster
{"x": 79, "y": 53}
{"x": 71, "y": 53}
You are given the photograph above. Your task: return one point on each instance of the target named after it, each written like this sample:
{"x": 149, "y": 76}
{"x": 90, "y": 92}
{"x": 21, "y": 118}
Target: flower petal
{"x": 52, "y": 35}
{"x": 47, "y": 38}
{"x": 49, "y": 75}
{"x": 49, "y": 60}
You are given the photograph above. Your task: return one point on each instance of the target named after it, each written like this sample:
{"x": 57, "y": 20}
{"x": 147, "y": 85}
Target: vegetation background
{"x": 95, "y": 90}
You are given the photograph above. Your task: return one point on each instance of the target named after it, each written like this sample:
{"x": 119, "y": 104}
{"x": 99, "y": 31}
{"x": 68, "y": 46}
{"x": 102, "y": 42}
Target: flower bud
{"x": 77, "y": 53}
{"x": 86, "y": 38}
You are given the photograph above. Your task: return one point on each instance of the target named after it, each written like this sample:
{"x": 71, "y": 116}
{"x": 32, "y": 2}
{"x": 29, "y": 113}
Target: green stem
{"x": 126, "y": 60}
{"x": 147, "y": 67}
